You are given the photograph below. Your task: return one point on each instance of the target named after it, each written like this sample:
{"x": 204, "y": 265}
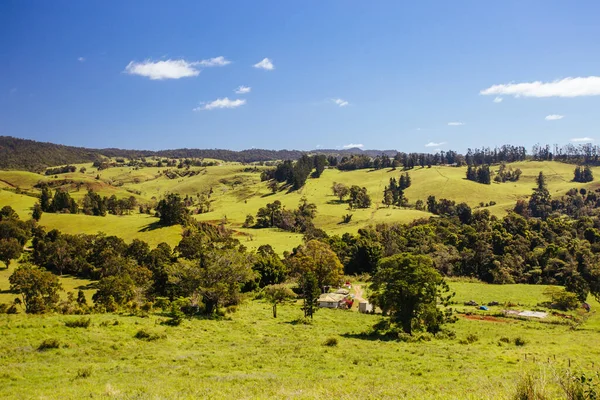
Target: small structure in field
{"x": 333, "y": 300}
{"x": 345, "y": 292}
{"x": 365, "y": 307}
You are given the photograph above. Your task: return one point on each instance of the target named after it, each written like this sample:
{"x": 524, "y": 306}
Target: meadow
{"x": 248, "y": 354}
{"x": 236, "y": 193}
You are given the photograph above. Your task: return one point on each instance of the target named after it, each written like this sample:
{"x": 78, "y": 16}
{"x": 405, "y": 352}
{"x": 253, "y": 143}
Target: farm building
{"x": 332, "y": 300}
{"x": 365, "y": 307}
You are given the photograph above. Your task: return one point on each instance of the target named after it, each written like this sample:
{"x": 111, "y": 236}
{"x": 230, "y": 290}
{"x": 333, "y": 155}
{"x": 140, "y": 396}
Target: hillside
{"x": 29, "y": 155}
{"x": 238, "y": 193}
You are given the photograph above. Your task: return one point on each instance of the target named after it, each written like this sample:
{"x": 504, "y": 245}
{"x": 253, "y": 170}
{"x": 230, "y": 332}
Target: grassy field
{"x": 237, "y": 193}
{"x": 251, "y": 355}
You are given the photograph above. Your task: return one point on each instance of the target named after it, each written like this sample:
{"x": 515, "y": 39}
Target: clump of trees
{"x": 274, "y": 215}
{"x": 583, "y": 174}
{"x": 507, "y": 174}
{"x": 94, "y": 204}
{"x": 14, "y": 233}
{"x": 296, "y": 173}
{"x": 359, "y": 198}
{"x": 61, "y": 170}
{"x": 38, "y": 288}
{"x": 61, "y": 202}
{"x": 393, "y": 194}
{"x": 340, "y": 190}
{"x": 172, "y": 211}
{"x": 480, "y": 174}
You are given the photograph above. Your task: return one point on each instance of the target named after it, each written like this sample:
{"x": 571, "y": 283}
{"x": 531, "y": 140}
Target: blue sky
{"x": 381, "y": 74}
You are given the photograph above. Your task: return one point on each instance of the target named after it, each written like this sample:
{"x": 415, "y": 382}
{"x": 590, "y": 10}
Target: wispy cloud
{"x": 456, "y": 123}
{"x": 498, "y": 100}
{"x": 353, "y": 146}
{"x": 567, "y": 87}
{"x": 265, "y": 63}
{"x": 582, "y": 139}
{"x": 243, "y": 89}
{"x": 340, "y": 102}
{"x": 434, "y": 144}
{"x": 554, "y": 117}
{"x": 158, "y": 70}
{"x": 214, "y": 62}
{"x": 221, "y": 103}
{"x": 81, "y": 59}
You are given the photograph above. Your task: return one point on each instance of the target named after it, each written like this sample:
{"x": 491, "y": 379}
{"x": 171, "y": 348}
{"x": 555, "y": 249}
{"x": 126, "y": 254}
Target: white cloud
{"x": 340, "y": 102}
{"x": 214, "y": 62}
{"x": 456, "y": 123}
{"x": 169, "y": 69}
{"x": 243, "y": 89}
{"x": 582, "y": 139}
{"x": 353, "y": 145}
{"x": 567, "y": 87}
{"x": 81, "y": 59}
{"x": 554, "y": 117}
{"x": 318, "y": 146}
{"x": 434, "y": 144}
{"x": 498, "y": 100}
{"x": 265, "y": 64}
{"x": 221, "y": 103}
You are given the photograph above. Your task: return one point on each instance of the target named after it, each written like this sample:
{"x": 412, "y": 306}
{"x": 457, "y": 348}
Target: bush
{"x": 561, "y": 299}
{"x": 520, "y": 341}
{"x": 471, "y": 338}
{"x": 78, "y": 323}
{"x": 530, "y": 388}
{"x": 83, "y": 373}
{"x": 143, "y": 334}
{"x": 49, "y": 344}
{"x": 331, "y": 342}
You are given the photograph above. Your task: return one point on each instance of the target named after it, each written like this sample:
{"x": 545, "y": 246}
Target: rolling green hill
{"x": 237, "y": 193}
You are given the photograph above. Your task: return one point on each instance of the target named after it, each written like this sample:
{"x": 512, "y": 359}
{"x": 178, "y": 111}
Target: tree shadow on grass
{"x": 372, "y": 336}
{"x": 151, "y": 227}
{"x": 334, "y": 202}
{"x": 267, "y": 195}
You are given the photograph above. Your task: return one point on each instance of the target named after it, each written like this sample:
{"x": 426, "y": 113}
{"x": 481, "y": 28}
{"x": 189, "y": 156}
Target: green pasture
{"x": 250, "y": 355}
{"x": 236, "y": 193}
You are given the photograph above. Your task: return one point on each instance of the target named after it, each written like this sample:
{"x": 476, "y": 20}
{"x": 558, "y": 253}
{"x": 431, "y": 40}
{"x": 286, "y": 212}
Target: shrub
{"x": 331, "y": 342}
{"x": 471, "y": 338}
{"x": 143, "y": 334}
{"x": 504, "y": 339}
{"x": 83, "y": 373}
{"x": 561, "y": 299}
{"x": 578, "y": 386}
{"x": 49, "y": 344}
{"x": 519, "y": 341}
{"x": 78, "y": 323}
{"x": 530, "y": 388}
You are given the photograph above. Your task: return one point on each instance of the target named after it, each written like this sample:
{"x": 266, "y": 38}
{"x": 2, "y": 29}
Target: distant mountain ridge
{"x": 31, "y": 155}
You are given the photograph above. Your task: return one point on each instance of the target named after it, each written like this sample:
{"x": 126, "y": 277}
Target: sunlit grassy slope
{"x": 251, "y": 355}
{"x": 236, "y": 193}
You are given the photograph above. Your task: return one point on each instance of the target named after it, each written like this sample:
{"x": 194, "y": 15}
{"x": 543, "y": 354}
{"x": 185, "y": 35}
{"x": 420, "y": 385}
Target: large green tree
{"x": 408, "y": 287}
{"x": 171, "y": 210}
{"x": 317, "y": 258}
{"x": 10, "y": 249}
{"x": 38, "y": 288}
